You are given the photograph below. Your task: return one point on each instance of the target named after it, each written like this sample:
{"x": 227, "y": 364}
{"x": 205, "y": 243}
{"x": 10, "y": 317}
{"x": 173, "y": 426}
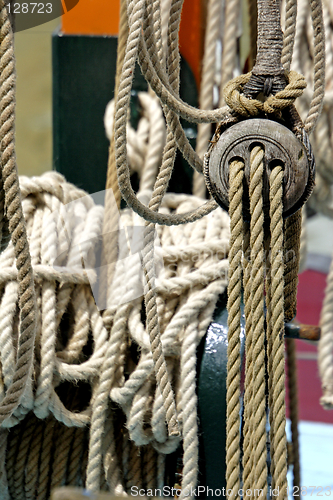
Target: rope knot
{"x": 248, "y": 107}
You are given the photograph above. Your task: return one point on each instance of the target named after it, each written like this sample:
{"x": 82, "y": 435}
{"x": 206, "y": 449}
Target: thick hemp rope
{"x": 185, "y": 303}
{"x": 254, "y": 456}
{"x": 63, "y": 361}
{"x": 247, "y": 248}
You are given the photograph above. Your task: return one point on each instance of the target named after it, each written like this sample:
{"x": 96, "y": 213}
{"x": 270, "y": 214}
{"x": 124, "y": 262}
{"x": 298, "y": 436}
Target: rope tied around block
{"x": 249, "y": 107}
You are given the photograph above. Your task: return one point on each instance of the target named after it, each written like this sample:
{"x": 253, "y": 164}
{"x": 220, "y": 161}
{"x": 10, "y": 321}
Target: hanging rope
{"x": 280, "y": 296}
{"x": 116, "y": 392}
{"x": 22, "y": 363}
{"x": 305, "y": 59}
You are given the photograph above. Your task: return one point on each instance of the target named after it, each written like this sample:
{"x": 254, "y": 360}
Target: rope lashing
{"x": 248, "y": 107}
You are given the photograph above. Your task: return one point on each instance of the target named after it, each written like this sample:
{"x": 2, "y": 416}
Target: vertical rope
{"x": 207, "y": 85}
{"x": 319, "y": 67}
{"x": 252, "y": 11}
{"x": 4, "y": 494}
{"x": 259, "y": 451}
{"x": 289, "y": 34}
{"x": 292, "y": 231}
{"x": 236, "y": 175}
{"x": 111, "y": 216}
{"x": 293, "y": 410}
{"x": 275, "y": 335}
{"x": 17, "y": 227}
{"x": 229, "y": 43}
{"x": 303, "y": 242}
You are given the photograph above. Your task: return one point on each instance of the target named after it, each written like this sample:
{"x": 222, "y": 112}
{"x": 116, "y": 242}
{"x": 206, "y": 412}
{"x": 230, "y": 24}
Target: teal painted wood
{"x": 212, "y": 393}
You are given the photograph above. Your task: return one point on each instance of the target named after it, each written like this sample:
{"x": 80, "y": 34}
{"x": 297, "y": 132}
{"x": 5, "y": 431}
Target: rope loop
{"x": 247, "y": 107}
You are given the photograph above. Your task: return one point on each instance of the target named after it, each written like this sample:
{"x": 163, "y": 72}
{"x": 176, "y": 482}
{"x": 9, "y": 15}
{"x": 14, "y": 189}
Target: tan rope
{"x": 236, "y": 175}
{"x": 275, "y": 337}
{"x": 325, "y": 347}
{"x": 292, "y": 231}
{"x": 247, "y": 251}
{"x": 317, "y": 100}
{"x": 206, "y": 88}
{"x": 303, "y": 242}
{"x": 259, "y": 452}
{"x": 252, "y": 10}
{"x": 17, "y": 228}
{"x": 248, "y": 389}
{"x": 229, "y": 42}
{"x": 185, "y": 302}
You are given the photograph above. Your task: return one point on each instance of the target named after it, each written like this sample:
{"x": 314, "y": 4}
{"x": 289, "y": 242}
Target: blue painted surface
{"x": 316, "y": 458}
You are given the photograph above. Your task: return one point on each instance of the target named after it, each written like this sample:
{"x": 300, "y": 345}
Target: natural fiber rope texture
{"x": 258, "y": 417}
{"x": 213, "y": 27}
{"x": 304, "y": 62}
{"x": 325, "y": 348}
{"x": 247, "y": 107}
{"x": 236, "y": 176}
{"x": 308, "y": 61}
{"x": 275, "y": 336}
{"x": 183, "y": 300}
{"x": 22, "y": 363}
{"x": 250, "y": 255}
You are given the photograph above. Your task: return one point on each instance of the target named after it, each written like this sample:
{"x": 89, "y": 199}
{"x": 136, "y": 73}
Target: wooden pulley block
{"x": 281, "y": 147}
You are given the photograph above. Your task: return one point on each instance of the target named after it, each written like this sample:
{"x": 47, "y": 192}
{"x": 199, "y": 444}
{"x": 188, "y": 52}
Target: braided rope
{"x": 289, "y": 34}
{"x": 325, "y": 347}
{"x": 4, "y": 494}
{"x": 229, "y": 42}
{"x": 206, "y": 87}
{"x": 317, "y": 100}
